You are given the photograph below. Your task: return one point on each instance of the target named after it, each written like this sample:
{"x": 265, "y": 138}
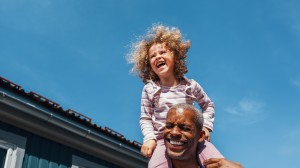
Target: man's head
{"x": 183, "y": 131}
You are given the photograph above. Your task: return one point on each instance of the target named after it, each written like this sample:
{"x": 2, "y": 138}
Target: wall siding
{"x": 44, "y": 153}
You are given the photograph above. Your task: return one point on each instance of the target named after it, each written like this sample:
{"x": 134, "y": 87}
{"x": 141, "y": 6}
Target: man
{"x": 182, "y": 134}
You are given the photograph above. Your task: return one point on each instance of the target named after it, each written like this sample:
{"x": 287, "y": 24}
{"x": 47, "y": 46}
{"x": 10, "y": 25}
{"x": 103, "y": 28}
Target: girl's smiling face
{"x": 162, "y": 61}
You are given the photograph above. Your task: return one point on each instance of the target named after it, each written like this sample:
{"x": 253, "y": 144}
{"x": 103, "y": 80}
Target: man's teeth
{"x": 176, "y": 142}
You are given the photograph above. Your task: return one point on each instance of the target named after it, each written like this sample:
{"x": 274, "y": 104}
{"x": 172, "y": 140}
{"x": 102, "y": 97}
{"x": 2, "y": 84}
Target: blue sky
{"x": 245, "y": 54}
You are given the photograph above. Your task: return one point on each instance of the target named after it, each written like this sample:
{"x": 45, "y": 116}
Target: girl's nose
{"x": 158, "y": 57}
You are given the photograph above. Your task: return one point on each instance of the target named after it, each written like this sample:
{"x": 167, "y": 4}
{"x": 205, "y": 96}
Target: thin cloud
{"x": 290, "y": 142}
{"x": 296, "y": 82}
{"x": 291, "y": 14}
{"x": 248, "y": 111}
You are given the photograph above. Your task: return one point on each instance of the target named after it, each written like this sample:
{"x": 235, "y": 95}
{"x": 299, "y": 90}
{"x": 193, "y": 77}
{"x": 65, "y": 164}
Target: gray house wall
{"x": 36, "y": 132}
{"x": 44, "y": 153}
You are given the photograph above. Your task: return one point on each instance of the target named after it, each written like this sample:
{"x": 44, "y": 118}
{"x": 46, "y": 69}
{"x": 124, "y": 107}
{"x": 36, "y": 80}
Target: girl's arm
{"x": 207, "y": 106}
{"x": 146, "y": 117}
{"x": 147, "y": 128}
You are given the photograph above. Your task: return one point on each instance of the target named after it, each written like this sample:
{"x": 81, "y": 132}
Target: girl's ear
{"x": 202, "y": 136}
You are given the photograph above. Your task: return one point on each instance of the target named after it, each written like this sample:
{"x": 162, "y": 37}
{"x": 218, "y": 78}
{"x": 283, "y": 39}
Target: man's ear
{"x": 201, "y": 136}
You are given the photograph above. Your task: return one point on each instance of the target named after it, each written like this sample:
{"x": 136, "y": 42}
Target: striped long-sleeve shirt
{"x": 157, "y": 100}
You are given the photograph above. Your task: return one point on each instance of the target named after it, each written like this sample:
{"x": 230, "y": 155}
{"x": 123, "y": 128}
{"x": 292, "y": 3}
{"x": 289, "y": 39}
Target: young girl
{"x": 160, "y": 61}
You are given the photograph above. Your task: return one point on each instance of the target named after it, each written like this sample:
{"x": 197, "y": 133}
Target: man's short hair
{"x": 198, "y": 115}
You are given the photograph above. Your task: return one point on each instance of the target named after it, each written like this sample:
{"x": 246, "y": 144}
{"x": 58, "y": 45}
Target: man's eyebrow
{"x": 186, "y": 125}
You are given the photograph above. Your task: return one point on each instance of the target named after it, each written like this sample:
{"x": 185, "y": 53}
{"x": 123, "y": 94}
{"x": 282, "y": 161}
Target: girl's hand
{"x": 207, "y": 133}
{"x": 148, "y": 148}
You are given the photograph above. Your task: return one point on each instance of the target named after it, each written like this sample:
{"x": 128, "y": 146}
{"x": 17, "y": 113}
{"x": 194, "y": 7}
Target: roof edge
{"x": 67, "y": 132}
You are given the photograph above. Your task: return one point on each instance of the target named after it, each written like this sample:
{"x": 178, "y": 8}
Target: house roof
{"x": 69, "y": 113}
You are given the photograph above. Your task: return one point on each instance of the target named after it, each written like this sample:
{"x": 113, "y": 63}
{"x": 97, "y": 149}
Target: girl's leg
{"x": 207, "y": 150}
{"x": 158, "y": 158}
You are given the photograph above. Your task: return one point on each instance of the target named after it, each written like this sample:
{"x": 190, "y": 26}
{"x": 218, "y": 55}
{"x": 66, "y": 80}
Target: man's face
{"x": 180, "y": 134}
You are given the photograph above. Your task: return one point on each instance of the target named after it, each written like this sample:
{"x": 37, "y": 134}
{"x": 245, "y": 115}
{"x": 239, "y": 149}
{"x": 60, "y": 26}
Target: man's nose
{"x": 175, "y": 132}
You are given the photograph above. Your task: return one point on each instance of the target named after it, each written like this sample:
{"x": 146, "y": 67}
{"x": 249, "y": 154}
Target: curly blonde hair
{"x": 158, "y": 34}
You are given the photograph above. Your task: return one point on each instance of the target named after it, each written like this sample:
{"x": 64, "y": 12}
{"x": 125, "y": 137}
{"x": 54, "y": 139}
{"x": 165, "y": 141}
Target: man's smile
{"x": 176, "y": 142}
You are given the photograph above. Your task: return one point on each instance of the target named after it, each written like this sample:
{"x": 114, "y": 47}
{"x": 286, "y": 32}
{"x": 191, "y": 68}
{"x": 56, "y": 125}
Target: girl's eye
{"x": 152, "y": 56}
{"x": 162, "y": 52}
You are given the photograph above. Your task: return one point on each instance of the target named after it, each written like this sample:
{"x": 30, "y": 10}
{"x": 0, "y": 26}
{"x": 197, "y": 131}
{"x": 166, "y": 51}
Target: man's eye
{"x": 184, "y": 128}
{"x": 169, "y": 126}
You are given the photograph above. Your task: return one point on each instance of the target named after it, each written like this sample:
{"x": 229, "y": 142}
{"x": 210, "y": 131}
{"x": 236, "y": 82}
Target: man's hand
{"x": 207, "y": 134}
{"x": 221, "y": 163}
{"x": 148, "y": 148}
